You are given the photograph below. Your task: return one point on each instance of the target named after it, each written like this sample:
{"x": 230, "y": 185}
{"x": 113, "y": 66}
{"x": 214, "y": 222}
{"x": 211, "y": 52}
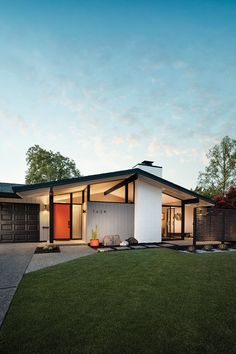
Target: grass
{"x": 143, "y": 301}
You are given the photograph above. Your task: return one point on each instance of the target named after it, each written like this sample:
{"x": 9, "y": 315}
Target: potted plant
{"x": 94, "y": 241}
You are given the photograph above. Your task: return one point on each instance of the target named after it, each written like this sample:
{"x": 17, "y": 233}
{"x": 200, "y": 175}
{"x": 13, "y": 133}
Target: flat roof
{"x": 6, "y": 190}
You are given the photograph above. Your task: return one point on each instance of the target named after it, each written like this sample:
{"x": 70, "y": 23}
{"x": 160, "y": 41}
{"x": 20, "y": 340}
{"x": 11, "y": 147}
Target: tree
{"x": 44, "y": 166}
{"x": 227, "y": 200}
{"x": 221, "y": 170}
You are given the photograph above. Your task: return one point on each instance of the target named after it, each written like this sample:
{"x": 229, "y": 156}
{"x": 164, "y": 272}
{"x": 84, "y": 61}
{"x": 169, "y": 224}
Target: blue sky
{"x": 110, "y": 84}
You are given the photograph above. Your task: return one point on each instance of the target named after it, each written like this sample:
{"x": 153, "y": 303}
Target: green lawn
{"x": 143, "y": 301}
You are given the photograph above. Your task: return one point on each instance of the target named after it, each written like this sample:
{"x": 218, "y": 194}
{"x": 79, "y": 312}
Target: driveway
{"x": 14, "y": 259}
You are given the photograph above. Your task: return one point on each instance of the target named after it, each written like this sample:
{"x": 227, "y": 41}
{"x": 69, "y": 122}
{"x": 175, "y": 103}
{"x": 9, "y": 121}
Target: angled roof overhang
{"x": 71, "y": 184}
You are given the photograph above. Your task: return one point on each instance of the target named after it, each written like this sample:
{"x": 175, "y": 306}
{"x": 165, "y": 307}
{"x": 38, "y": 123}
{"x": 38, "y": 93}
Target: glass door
{"x": 76, "y": 221}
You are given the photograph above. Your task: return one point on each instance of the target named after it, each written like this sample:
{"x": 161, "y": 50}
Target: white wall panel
{"x": 147, "y": 214}
{"x": 111, "y": 219}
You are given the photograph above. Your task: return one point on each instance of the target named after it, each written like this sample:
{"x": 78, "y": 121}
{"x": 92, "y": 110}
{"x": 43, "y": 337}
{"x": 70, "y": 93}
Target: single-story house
{"x": 135, "y": 202}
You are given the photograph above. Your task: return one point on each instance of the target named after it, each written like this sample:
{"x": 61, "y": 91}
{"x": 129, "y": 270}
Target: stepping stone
{"x": 166, "y": 245}
{"x": 137, "y": 247}
{"x": 152, "y": 246}
{"x": 107, "y": 249}
{"x": 120, "y": 248}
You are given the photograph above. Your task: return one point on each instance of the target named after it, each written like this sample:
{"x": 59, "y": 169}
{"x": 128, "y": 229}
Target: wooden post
{"x": 182, "y": 219}
{"x": 126, "y": 193}
{"x": 51, "y": 216}
{"x": 71, "y": 215}
{"x": 88, "y": 193}
{"x": 223, "y": 227}
{"x": 194, "y": 226}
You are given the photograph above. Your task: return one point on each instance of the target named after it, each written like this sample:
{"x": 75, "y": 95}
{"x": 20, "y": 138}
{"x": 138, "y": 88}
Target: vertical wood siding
{"x": 111, "y": 219}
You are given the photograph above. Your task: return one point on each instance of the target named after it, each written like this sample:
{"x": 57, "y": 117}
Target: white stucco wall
{"x": 111, "y": 219}
{"x": 147, "y": 212}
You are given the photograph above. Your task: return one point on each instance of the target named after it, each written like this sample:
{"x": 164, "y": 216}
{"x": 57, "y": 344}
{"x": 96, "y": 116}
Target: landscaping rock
{"x": 132, "y": 241}
{"x": 107, "y": 241}
{"x": 124, "y": 243}
{"x": 111, "y": 240}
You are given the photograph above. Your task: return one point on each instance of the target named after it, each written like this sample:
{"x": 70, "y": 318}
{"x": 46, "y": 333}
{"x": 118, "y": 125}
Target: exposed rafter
{"x": 191, "y": 201}
{"x": 121, "y": 184}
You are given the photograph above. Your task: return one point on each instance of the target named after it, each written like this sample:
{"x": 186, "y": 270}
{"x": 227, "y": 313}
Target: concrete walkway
{"x": 14, "y": 259}
{"x": 68, "y": 253}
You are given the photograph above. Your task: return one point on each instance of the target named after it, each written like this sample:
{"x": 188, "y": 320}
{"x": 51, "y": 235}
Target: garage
{"x": 19, "y": 222}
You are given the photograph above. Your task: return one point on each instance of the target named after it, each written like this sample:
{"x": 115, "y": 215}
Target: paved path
{"x": 68, "y": 253}
{"x": 14, "y": 259}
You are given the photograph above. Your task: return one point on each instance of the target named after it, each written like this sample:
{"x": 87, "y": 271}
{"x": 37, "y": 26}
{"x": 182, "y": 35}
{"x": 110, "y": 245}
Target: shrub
{"x": 222, "y": 247}
{"x": 208, "y": 248}
{"x": 192, "y": 249}
{"x": 49, "y": 247}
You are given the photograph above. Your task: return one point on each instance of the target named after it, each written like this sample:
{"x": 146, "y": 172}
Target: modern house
{"x": 136, "y": 202}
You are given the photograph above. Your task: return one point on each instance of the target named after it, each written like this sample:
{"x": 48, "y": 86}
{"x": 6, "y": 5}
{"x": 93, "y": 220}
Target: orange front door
{"x": 62, "y": 221}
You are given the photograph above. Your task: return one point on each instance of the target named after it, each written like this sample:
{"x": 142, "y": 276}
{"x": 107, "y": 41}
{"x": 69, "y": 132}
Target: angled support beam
{"x": 121, "y": 184}
{"x": 191, "y": 201}
{"x": 51, "y": 216}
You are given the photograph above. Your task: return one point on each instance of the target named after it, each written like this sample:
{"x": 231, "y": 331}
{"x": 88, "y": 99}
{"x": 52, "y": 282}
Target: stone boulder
{"x": 124, "y": 243}
{"x": 111, "y": 240}
{"x": 132, "y": 241}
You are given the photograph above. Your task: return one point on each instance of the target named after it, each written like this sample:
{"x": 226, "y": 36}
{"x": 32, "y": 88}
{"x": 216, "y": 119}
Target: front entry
{"x": 61, "y": 221}
{"x": 67, "y": 221}
{"x": 171, "y": 222}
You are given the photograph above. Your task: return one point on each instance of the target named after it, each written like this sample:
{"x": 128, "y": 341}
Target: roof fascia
{"x": 82, "y": 179}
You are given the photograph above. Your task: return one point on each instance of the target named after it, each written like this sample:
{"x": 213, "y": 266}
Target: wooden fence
{"x": 211, "y": 224}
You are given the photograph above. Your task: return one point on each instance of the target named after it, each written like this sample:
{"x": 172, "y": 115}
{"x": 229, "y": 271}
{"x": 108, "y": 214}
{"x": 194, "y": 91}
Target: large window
{"x": 62, "y": 198}
{"x": 103, "y": 192}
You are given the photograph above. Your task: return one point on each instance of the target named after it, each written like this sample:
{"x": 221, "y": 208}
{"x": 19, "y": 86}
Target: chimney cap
{"x": 147, "y": 163}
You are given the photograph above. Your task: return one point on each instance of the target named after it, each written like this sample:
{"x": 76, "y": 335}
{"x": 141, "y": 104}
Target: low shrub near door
{"x": 192, "y": 249}
{"x": 222, "y": 247}
{"x": 208, "y": 248}
{"x": 48, "y": 248}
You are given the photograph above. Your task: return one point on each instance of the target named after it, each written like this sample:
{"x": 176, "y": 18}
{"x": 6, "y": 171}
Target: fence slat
{"x": 211, "y": 224}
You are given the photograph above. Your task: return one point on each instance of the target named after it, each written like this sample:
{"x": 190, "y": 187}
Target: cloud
{"x": 22, "y": 125}
{"x": 13, "y": 122}
{"x": 157, "y": 148}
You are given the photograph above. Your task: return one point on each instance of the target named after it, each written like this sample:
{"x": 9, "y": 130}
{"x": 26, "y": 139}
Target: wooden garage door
{"x": 19, "y": 222}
